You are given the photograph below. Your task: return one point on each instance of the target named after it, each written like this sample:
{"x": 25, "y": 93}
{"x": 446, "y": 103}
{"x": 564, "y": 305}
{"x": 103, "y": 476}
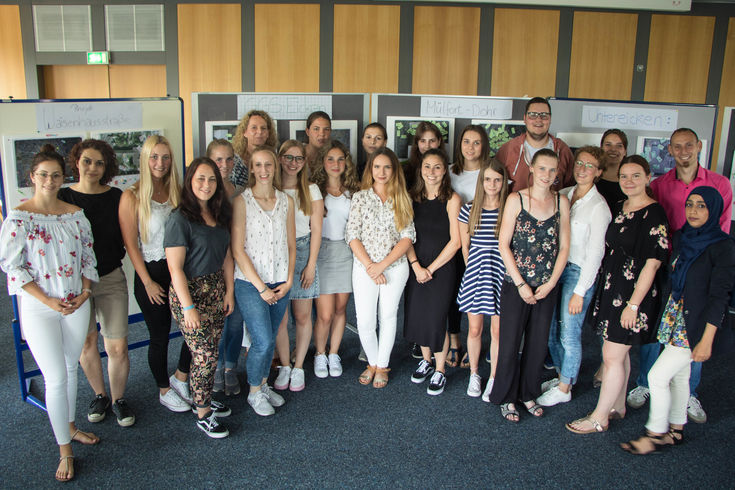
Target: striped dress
{"x": 479, "y": 292}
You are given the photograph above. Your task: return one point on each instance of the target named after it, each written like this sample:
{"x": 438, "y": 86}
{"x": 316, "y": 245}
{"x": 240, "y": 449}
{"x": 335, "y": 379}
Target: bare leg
{"x": 325, "y": 305}
{"x": 339, "y": 321}
{"x": 494, "y": 343}
{"x": 282, "y": 343}
{"x": 302, "y": 316}
{"x": 92, "y": 364}
{"x": 118, "y": 366}
{"x": 474, "y": 340}
{"x": 441, "y": 357}
{"x": 614, "y": 380}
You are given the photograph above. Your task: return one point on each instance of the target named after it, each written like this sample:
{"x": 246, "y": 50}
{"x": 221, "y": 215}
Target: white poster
{"x": 89, "y": 116}
{"x": 636, "y": 118}
{"x": 466, "y": 108}
{"x": 284, "y": 106}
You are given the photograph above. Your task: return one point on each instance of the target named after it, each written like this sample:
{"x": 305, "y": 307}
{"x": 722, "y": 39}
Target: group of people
{"x": 541, "y": 240}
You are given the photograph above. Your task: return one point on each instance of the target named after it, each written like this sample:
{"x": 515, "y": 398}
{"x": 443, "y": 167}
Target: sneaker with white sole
{"x": 436, "y": 384}
{"x": 274, "y": 398}
{"x": 547, "y": 385}
{"x": 173, "y": 402}
{"x": 123, "y": 413}
{"x": 474, "y": 388}
{"x": 695, "y": 412}
{"x": 423, "y": 371}
{"x": 335, "y": 365}
{"x": 488, "y": 389}
{"x": 298, "y": 380}
{"x": 219, "y": 409}
{"x": 554, "y": 396}
{"x": 283, "y": 378}
{"x": 181, "y": 388}
{"x": 98, "y": 408}
{"x": 321, "y": 366}
{"x": 637, "y": 396}
{"x": 260, "y": 404}
{"x": 211, "y": 426}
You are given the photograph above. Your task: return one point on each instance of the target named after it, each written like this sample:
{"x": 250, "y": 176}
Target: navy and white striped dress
{"x": 479, "y": 292}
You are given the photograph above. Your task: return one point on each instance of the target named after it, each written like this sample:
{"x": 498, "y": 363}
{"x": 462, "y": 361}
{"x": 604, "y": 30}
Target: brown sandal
{"x": 381, "y": 377}
{"x": 93, "y": 439}
{"x": 367, "y": 375}
{"x": 69, "y": 469}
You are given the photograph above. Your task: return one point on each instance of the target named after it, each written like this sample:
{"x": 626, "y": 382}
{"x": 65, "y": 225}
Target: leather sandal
{"x": 453, "y": 356}
{"x": 596, "y": 426}
{"x": 69, "y": 469}
{"x": 93, "y": 438}
{"x": 381, "y": 377}
{"x": 509, "y": 414}
{"x": 535, "y": 409}
{"x": 367, "y": 375}
{"x": 648, "y": 443}
{"x": 677, "y": 436}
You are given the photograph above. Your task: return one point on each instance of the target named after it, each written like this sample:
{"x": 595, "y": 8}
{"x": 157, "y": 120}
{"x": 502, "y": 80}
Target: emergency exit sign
{"x": 98, "y": 58}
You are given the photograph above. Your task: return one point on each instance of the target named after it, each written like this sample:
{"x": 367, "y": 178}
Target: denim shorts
{"x": 302, "y": 257}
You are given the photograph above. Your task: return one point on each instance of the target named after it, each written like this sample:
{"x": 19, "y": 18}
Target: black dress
{"x": 426, "y": 305}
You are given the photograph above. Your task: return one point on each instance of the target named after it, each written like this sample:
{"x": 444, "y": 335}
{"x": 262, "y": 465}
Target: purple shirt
{"x": 672, "y": 193}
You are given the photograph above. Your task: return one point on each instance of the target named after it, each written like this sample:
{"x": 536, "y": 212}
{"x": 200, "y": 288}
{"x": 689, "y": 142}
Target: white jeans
{"x": 385, "y": 298}
{"x": 56, "y": 343}
{"x": 668, "y": 381}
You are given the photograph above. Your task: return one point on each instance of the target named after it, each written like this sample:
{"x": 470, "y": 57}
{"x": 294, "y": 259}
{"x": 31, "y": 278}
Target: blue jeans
{"x": 262, "y": 320}
{"x": 231, "y": 341}
{"x": 565, "y": 333}
{"x": 649, "y": 354}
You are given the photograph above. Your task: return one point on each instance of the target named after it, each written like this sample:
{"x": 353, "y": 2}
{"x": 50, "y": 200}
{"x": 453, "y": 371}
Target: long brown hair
{"x": 459, "y": 162}
{"x": 475, "y": 221}
{"x": 418, "y": 193}
{"x": 348, "y": 178}
{"x": 218, "y": 204}
{"x": 396, "y": 187}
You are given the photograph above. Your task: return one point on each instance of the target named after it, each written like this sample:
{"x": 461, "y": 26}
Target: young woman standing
{"x": 256, "y": 128}
{"x": 374, "y": 137}
{"x": 426, "y": 137}
{"x": 318, "y": 134}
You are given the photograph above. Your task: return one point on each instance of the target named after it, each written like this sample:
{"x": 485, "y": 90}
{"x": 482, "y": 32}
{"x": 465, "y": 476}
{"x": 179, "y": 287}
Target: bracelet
{"x": 519, "y": 286}
{"x": 264, "y": 290}
{"x": 411, "y": 263}
{"x": 190, "y": 307}
{"x": 87, "y": 290}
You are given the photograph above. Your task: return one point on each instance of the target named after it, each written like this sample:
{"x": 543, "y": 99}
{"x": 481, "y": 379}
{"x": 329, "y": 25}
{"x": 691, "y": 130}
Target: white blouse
{"x": 303, "y": 222}
{"x": 152, "y": 249}
{"x": 266, "y": 238}
{"x": 338, "y": 210}
{"x": 464, "y": 184}
{"x": 54, "y": 251}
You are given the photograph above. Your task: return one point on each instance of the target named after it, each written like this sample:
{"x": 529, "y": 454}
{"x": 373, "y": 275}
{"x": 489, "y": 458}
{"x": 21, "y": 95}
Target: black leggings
{"x": 158, "y": 320}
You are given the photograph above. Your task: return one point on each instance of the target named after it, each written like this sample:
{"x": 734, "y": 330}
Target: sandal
{"x": 647, "y": 444}
{"x": 615, "y": 415}
{"x": 93, "y": 439}
{"x": 509, "y": 414}
{"x": 465, "y": 362}
{"x": 677, "y": 436}
{"x": 69, "y": 469}
{"x": 536, "y": 410}
{"x": 596, "y": 426}
{"x": 381, "y": 377}
{"x": 367, "y": 375}
{"x": 453, "y": 356}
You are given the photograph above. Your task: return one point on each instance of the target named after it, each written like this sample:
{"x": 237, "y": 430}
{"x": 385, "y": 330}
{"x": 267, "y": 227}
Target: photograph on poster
{"x": 500, "y": 132}
{"x": 127, "y": 145}
{"x": 224, "y": 130}
{"x": 656, "y": 151}
{"x": 402, "y": 129}
{"x": 343, "y": 130}
{"x": 577, "y": 140}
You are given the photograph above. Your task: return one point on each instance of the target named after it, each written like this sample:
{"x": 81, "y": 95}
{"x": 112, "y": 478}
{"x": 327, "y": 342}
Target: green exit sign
{"x": 98, "y": 58}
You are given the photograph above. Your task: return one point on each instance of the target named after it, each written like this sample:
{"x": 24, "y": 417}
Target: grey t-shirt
{"x": 206, "y": 246}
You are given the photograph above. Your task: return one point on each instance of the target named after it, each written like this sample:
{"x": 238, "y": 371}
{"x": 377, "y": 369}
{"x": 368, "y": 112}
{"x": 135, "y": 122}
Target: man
{"x": 517, "y": 153}
{"x": 671, "y": 191}
{"x": 614, "y": 143}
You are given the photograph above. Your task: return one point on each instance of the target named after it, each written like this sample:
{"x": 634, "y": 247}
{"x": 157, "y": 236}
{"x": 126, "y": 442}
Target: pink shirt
{"x": 672, "y": 193}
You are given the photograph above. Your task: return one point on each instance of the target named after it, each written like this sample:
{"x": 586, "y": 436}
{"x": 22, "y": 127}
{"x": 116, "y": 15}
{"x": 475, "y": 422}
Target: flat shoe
{"x": 508, "y": 413}
{"x": 596, "y": 426}
{"x": 69, "y": 469}
{"x": 367, "y": 375}
{"x": 381, "y": 377}
{"x": 536, "y": 410}
{"x": 88, "y": 435}
{"x": 453, "y": 356}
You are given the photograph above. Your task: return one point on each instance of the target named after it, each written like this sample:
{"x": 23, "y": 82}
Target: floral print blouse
{"x": 54, "y": 251}
{"x": 673, "y": 329}
{"x": 535, "y": 245}
{"x": 372, "y": 221}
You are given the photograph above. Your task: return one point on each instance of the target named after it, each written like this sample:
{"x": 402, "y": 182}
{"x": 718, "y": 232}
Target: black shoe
{"x": 98, "y": 408}
{"x": 416, "y": 351}
{"x": 422, "y": 372}
{"x": 218, "y": 409}
{"x": 212, "y": 427}
{"x": 124, "y": 414}
{"x": 436, "y": 384}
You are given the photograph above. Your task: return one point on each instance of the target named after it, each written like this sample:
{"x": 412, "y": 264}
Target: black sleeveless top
{"x": 535, "y": 245}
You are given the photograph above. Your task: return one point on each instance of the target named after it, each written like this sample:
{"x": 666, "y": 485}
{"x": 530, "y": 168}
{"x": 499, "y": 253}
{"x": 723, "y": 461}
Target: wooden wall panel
{"x": 727, "y": 87}
{"x": 137, "y": 80}
{"x": 678, "y": 58}
{"x": 75, "y": 82}
{"x": 287, "y": 48}
{"x": 13, "y": 78}
{"x": 445, "y": 50}
{"x": 603, "y": 52}
{"x": 525, "y": 45}
{"x": 210, "y": 54}
{"x": 366, "y": 45}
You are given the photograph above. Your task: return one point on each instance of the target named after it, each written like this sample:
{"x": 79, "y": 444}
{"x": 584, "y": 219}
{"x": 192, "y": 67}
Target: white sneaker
{"x": 488, "y": 389}
{"x": 260, "y": 404}
{"x": 695, "y": 412}
{"x": 547, "y": 385}
{"x": 283, "y": 378}
{"x": 335, "y": 365}
{"x": 553, "y": 397}
{"x": 474, "y": 388}
{"x": 274, "y": 398}
{"x": 173, "y": 402}
{"x": 298, "y": 382}
{"x": 320, "y": 366}
{"x": 637, "y": 396}
{"x": 181, "y": 388}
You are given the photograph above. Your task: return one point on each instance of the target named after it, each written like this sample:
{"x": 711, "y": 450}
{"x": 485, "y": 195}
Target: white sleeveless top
{"x": 303, "y": 222}
{"x": 152, "y": 249}
{"x": 338, "y": 210}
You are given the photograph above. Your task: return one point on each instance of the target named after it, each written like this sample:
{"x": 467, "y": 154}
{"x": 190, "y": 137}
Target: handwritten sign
{"x": 91, "y": 116}
{"x": 635, "y": 118}
{"x": 286, "y": 107}
{"x": 466, "y": 107}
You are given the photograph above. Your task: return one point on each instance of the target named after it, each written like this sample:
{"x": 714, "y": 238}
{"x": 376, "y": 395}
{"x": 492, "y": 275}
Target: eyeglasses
{"x": 291, "y": 158}
{"x": 586, "y": 165}
{"x": 538, "y": 115}
{"x": 46, "y": 175}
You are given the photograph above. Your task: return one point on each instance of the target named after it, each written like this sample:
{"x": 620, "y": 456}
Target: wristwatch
{"x": 632, "y": 306}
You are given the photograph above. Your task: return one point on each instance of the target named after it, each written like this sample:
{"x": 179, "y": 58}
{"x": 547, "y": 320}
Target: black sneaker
{"x": 212, "y": 427}
{"x": 436, "y": 384}
{"x": 124, "y": 414}
{"x": 98, "y": 408}
{"x": 218, "y": 409}
{"x": 422, "y": 372}
{"x": 416, "y": 351}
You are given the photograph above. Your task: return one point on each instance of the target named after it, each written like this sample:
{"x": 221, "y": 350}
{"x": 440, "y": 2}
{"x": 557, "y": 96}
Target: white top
{"x": 465, "y": 183}
{"x": 589, "y": 218}
{"x": 152, "y": 249}
{"x": 303, "y": 222}
{"x": 54, "y": 251}
{"x": 266, "y": 238}
{"x": 338, "y": 210}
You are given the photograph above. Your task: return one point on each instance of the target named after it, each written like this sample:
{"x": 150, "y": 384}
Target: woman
{"x": 225, "y": 376}
{"x": 701, "y": 271}
{"x": 144, "y": 209}
{"x": 430, "y": 287}
{"x": 627, "y": 296}
{"x": 426, "y": 137}
{"x": 39, "y": 237}
{"x": 309, "y": 214}
{"x": 379, "y": 231}
{"x": 318, "y": 134}
{"x": 534, "y": 244}
{"x": 197, "y": 243}
{"x": 337, "y": 181}
{"x": 256, "y": 128}
{"x": 374, "y": 136}
{"x": 614, "y": 143}
{"x": 94, "y": 164}
{"x": 263, "y": 274}
{"x": 589, "y": 217}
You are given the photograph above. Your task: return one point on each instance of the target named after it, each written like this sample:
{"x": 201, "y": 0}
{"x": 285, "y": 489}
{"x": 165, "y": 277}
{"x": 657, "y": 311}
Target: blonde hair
{"x": 396, "y": 187}
{"x": 239, "y": 142}
{"x": 473, "y": 223}
{"x": 143, "y": 189}
{"x": 302, "y": 185}
{"x": 276, "y": 170}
